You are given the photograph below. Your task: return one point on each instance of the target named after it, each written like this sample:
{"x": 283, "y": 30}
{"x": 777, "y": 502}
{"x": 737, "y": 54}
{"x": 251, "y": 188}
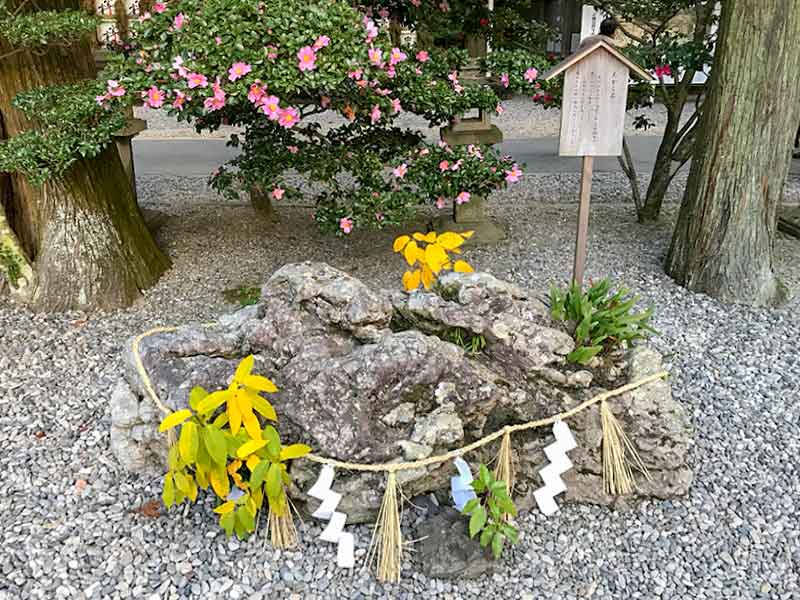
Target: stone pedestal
{"x": 123, "y": 140}
{"x": 471, "y": 216}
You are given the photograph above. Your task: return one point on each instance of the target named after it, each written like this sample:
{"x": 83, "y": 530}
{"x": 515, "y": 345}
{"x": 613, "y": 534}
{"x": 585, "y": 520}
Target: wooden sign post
{"x": 593, "y": 117}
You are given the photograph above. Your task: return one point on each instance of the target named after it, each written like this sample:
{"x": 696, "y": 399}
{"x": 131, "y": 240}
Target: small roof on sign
{"x": 593, "y": 47}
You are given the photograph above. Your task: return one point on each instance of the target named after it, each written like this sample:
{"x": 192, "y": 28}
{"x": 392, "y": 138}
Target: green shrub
{"x": 601, "y": 319}
{"x": 489, "y": 512}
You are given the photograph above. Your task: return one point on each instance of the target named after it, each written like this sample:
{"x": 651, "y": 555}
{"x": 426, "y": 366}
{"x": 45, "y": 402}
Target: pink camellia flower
{"x": 390, "y": 72}
{"x": 457, "y": 165}
{"x": 101, "y": 100}
{"x": 514, "y": 174}
{"x": 293, "y": 149}
{"x": 145, "y": 17}
{"x": 346, "y": 224}
{"x": 416, "y": 3}
{"x": 154, "y": 97}
{"x": 444, "y": 6}
{"x": 307, "y": 59}
{"x": 444, "y": 166}
{"x": 255, "y": 94}
{"x": 504, "y": 79}
{"x": 218, "y": 40}
{"x": 383, "y": 13}
{"x": 400, "y": 171}
{"x": 270, "y": 106}
{"x": 355, "y": 74}
{"x": 180, "y": 99}
{"x": 288, "y": 118}
{"x": 462, "y": 198}
{"x": 375, "y": 114}
{"x": 531, "y": 74}
{"x": 238, "y": 70}
{"x": 196, "y": 80}
{"x": 424, "y": 152}
{"x": 440, "y": 202}
{"x": 396, "y": 106}
{"x": 663, "y": 71}
{"x": 272, "y": 52}
{"x": 159, "y": 7}
{"x": 397, "y": 56}
{"x": 499, "y": 109}
{"x": 217, "y": 101}
{"x": 115, "y": 89}
{"x": 372, "y": 30}
{"x": 179, "y": 21}
{"x": 375, "y": 56}
{"x": 422, "y": 56}
{"x": 278, "y": 193}
{"x": 322, "y": 42}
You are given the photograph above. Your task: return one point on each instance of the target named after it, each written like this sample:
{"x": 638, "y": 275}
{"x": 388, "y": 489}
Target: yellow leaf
{"x": 251, "y": 425}
{"x": 201, "y": 475}
{"x": 411, "y": 280}
{"x": 244, "y": 368}
{"x": 263, "y": 407}
{"x": 467, "y": 234}
{"x": 173, "y": 419}
{"x": 462, "y": 266}
{"x": 435, "y": 257}
{"x": 262, "y": 384}
{"x": 252, "y": 462}
{"x": 400, "y": 243}
{"x": 248, "y": 448}
{"x": 189, "y": 442}
{"x": 192, "y": 493}
{"x": 427, "y": 277}
{"x": 225, "y": 508}
{"x": 411, "y": 253}
{"x": 213, "y": 401}
{"x": 450, "y": 240}
{"x": 219, "y": 482}
{"x": 294, "y": 451}
{"x": 425, "y": 237}
{"x": 234, "y": 416}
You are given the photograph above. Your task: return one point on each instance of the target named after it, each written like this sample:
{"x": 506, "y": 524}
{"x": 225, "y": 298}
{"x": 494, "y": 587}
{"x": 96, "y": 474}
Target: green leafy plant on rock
{"x": 490, "y": 511}
{"x": 601, "y": 319}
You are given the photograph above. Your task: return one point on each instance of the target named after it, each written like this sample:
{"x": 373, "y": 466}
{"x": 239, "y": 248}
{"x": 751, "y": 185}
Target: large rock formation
{"x": 367, "y": 376}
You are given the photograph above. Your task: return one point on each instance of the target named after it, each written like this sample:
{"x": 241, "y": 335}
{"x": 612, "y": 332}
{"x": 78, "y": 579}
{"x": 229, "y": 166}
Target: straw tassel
{"x": 387, "y": 538}
{"x": 618, "y": 452}
{"x": 504, "y": 468}
{"x": 282, "y": 532}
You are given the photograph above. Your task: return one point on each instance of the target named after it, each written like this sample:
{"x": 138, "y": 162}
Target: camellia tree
{"x": 271, "y": 67}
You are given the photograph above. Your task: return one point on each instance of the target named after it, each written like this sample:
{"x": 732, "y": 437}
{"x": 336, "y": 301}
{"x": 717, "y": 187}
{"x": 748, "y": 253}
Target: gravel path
{"x": 71, "y": 527}
{"x": 521, "y": 119}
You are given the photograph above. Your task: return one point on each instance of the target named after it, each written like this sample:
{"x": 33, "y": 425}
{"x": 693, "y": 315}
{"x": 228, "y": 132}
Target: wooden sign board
{"x": 593, "y": 110}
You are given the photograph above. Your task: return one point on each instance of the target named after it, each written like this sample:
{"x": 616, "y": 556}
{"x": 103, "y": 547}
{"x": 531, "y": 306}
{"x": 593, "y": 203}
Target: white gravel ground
{"x": 735, "y": 369}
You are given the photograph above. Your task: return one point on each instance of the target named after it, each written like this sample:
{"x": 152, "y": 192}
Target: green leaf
{"x": 486, "y": 536}
{"x": 497, "y": 544}
{"x": 273, "y": 442}
{"x": 470, "y": 506}
{"x": 274, "y": 485}
{"x": 195, "y": 396}
{"x": 216, "y": 444}
{"x": 259, "y": 474}
{"x": 246, "y": 519}
{"x": 484, "y": 475}
{"x": 227, "y": 522}
{"x": 477, "y": 521}
{"x": 294, "y": 451}
{"x": 189, "y": 441}
{"x": 168, "y": 493}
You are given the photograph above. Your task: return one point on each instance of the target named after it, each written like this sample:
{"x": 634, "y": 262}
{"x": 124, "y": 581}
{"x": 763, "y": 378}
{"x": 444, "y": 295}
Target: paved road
{"x": 200, "y": 157}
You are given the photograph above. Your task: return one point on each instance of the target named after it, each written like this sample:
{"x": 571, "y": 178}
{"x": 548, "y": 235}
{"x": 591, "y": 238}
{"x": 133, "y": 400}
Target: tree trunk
{"x": 723, "y": 241}
{"x": 661, "y": 176}
{"x": 82, "y": 233}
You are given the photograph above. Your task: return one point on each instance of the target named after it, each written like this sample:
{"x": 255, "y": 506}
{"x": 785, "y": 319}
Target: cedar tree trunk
{"x": 723, "y": 240}
{"x": 79, "y": 241}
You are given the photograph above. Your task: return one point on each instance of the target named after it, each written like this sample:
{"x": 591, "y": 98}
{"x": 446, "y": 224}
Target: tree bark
{"x": 81, "y": 234}
{"x": 724, "y": 237}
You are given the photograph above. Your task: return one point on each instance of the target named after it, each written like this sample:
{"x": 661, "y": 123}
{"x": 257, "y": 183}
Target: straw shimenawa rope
{"x": 387, "y": 542}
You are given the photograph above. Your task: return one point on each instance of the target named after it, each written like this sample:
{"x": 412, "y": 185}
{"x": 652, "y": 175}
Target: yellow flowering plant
{"x": 225, "y": 444}
{"x": 429, "y": 253}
